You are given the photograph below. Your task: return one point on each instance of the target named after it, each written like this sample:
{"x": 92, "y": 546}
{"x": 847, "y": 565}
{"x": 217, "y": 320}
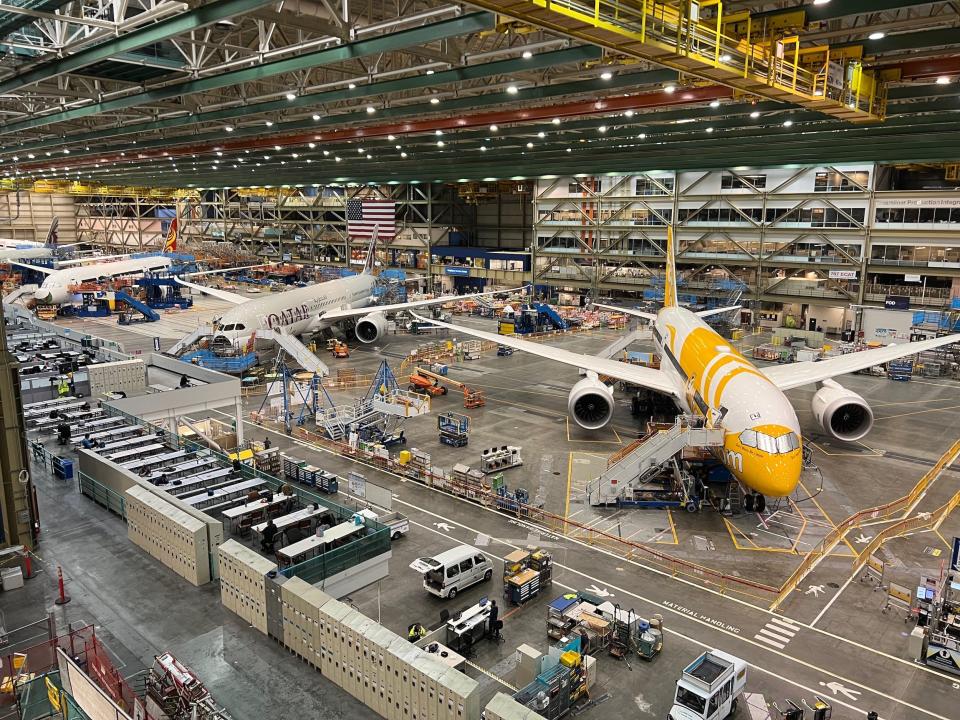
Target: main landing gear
{"x": 754, "y": 502}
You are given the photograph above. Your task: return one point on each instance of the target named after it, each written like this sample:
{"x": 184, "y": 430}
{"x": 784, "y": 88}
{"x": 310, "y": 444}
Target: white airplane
{"x": 311, "y": 309}
{"x": 705, "y": 376}
{"x": 11, "y": 249}
{"x": 55, "y": 288}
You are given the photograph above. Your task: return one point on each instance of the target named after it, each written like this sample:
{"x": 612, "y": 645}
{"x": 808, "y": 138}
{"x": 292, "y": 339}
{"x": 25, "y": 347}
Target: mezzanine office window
{"x": 657, "y": 186}
{"x": 917, "y": 215}
{"x": 855, "y": 181}
{"x": 583, "y": 186}
{"x": 729, "y": 181}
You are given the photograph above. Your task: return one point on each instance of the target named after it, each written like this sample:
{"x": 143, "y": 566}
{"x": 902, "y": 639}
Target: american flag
{"x": 363, "y": 215}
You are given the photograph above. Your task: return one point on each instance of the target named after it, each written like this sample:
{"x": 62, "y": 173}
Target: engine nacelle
{"x": 841, "y": 413}
{"x": 371, "y": 328}
{"x": 590, "y": 403}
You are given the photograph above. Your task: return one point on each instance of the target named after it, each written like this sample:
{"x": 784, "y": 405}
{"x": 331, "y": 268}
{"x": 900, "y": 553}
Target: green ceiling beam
{"x": 162, "y": 30}
{"x": 909, "y": 41}
{"x": 465, "y": 24}
{"x": 471, "y": 72}
{"x": 419, "y": 110}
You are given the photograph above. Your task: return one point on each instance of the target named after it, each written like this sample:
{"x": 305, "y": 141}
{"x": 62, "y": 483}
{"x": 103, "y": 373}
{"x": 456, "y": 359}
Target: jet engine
{"x": 371, "y": 328}
{"x": 590, "y": 403}
{"x": 841, "y": 413}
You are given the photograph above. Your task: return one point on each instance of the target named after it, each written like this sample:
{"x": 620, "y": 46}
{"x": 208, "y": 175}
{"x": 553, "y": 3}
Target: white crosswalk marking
{"x": 777, "y": 633}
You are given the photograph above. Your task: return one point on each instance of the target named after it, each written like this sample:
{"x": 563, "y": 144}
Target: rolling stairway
{"x": 644, "y": 458}
{"x": 297, "y": 350}
{"x": 545, "y": 311}
{"x": 148, "y": 312}
{"x": 336, "y": 421}
{"x": 185, "y": 342}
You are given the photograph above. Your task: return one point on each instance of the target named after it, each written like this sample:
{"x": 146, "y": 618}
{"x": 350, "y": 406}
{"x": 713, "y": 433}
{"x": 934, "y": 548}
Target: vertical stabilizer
{"x": 371, "y": 260}
{"x": 52, "y": 234}
{"x": 170, "y": 244}
{"x": 670, "y": 281}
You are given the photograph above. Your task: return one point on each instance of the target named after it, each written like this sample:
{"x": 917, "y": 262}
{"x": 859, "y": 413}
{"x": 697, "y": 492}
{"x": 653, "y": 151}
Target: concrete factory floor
{"x": 832, "y": 638}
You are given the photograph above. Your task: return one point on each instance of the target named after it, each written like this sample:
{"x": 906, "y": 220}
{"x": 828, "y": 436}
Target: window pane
{"x": 766, "y": 443}
{"x": 784, "y": 444}
{"x": 748, "y": 438}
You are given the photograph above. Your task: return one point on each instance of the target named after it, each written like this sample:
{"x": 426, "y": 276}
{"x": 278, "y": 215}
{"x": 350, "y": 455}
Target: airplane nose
{"x": 779, "y": 475}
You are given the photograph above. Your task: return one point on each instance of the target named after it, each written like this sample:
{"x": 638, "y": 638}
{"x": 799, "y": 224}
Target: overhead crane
{"x": 762, "y": 58}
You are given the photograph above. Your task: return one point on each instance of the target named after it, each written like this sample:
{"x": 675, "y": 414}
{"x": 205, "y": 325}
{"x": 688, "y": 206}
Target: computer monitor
{"x": 483, "y": 601}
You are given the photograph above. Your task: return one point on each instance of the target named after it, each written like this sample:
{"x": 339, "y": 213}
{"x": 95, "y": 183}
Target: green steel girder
{"x": 810, "y": 154}
{"x": 909, "y": 41}
{"x": 545, "y": 92}
{"x": 16, "y": 21}
{"x": 177, "y": 25}
{"x": 464, "y": 24}
{"x": 471, "y": 72}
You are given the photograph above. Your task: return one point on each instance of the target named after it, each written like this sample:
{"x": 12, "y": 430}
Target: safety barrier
{"x": 920, "y": 521}
{"x": 836, "y": 535}
{"x": 101, "y": 494}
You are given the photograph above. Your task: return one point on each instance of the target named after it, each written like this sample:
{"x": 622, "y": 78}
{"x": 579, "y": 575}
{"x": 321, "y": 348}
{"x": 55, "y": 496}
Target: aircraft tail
{"x": 170, "y": 244}
{"x": 371, "y": 260}
{"x": 670, "y": 281}
{"x": 52, "y": 234}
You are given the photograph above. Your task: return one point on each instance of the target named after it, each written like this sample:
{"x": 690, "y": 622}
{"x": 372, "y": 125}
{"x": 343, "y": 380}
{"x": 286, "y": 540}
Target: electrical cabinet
{"x": 173, "y": 537}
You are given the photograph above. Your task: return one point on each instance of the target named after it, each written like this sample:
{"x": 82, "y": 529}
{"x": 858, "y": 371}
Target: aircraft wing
{"x": 44, "y": 270}
{"x": 636, "y": 374}
{"x": 355, "y": 312}
{"x": 629, "y": 311}
{"x": 215, "y": 292}
{"x": 717, "y": 311}
{"x": 803, "y": 373}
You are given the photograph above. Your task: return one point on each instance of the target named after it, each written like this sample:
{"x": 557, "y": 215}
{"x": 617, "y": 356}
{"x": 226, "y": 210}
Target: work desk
{"x": 314, "y": 544}
{"x": 240, "y": 511}
{"x": 150, "y": 449}
{"x": 137, "y": 465}
{"x": 471, "y": 623}
{"x": 287, "y": 521}
{"x": 189, "y": 484}
{"x": 206, "y": 499}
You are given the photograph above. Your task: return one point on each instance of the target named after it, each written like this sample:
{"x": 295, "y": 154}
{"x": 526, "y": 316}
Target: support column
{"x": 239, "y": 421}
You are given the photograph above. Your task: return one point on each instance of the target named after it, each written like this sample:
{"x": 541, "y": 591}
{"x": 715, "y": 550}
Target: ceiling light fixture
{"x": 403, "y": 154}
{"x": 512, "y": 89}
{"x": 606, "y": 75}
{"x": 556, "y": 121}
{"x": 311, "y": 145}
{"x": 440, "y": 143}
{"x": 787, "y": 123}
{"x": 391, "y": 137}
{"x": 352, "y": 86}
{"x": 269, "y": 123}
{"x": 715, "y": 104}
{"x": 755, "y": 114}
{"x": 943, "y": 80}
{"x": 434, "y": 101}
{"x": 430, "y": 72}
{"x": 876, "y": 35}
{"x": 725, "y": 58}
{"x": 316, "y": 117}
{"x": 529, "y": 144}
{"x": 291, "y": 96}
{"x": 602, "y": 128}
{"x": 541, "y": 134}
{"x": 371, "y": 109}
{"x": 527, "y": 54}
{"x": 228, "y": 128}
{"x": 493, "y": 128}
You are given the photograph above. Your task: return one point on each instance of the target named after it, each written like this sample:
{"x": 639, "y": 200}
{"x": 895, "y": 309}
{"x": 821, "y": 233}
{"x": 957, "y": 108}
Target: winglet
{"x": 371, "y": 260}
{"x": 670, "y": 281}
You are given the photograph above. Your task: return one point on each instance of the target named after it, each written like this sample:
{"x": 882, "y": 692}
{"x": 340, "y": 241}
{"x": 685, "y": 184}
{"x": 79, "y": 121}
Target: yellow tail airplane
{"x": 706, "y": 376}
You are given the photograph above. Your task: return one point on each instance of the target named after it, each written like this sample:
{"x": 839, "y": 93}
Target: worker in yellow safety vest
{"x": 63, "y": 387}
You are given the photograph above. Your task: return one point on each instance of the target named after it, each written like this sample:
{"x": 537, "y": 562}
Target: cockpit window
{"x": 239, "y": 326}
{"x": 781, "y": 445}
{"x": 225, "y": 328}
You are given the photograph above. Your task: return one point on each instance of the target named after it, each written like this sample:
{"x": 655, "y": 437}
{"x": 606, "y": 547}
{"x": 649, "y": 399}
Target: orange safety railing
{"x": 836, "y": 535}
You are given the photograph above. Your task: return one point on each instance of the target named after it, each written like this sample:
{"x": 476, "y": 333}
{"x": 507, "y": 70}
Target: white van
{"x": 454, "y": 570}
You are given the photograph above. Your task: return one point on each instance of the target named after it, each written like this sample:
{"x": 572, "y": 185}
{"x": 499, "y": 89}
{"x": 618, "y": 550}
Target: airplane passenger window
{"x": 748, "y": 438}
{"x": 766, "y": 443}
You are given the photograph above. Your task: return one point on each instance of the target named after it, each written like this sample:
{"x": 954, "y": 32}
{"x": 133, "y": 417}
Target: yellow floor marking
{"x": 917, "y": 412}
{"x": 949, "y": 545}
{"x": 844, "y": 454}
{"x": 827, "y": 516}
{"x": 673, "y": 529}
{"x": 618, "y": 441}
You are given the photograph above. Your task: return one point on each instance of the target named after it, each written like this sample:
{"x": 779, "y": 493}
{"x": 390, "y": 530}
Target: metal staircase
{"x": 185, "y": 342}
{"x": 338, "y": 420}
{"x": 645, "y": 458}
{"x": 297, "y": 350}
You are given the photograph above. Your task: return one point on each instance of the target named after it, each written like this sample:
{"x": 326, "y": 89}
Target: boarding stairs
{"x": 141, "y": 307}
{"x": 552, "y": 316}
{"x": 647, "y": 457}
{"x": 19, "y": 292}
{"x": 338, "y": 420}
{"x": 297, "y": 350}
{"x": 185, "y": 342}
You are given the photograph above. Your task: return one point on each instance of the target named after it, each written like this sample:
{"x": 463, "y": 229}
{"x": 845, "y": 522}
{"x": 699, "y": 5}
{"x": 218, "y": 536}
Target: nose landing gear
{"x": 754, "y": 502}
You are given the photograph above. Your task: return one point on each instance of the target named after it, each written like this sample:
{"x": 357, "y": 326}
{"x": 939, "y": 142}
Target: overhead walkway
{"x": 647, "y": 457}
{"x": 727, "y": 49}
{"x": 297, "y": 350}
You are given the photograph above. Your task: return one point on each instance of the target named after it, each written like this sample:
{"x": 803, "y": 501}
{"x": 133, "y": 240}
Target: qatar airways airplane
{"x": 706, "y": 376}
{"x": 311, "y": 309}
